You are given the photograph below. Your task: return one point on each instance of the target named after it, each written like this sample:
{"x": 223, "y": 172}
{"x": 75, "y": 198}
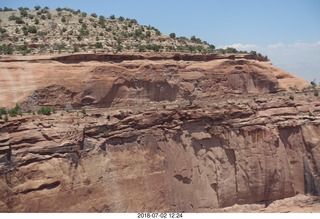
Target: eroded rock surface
{"x": 123, "y": 80}
{"x": 161, "y": 133}
{"x": 181, "y": 158}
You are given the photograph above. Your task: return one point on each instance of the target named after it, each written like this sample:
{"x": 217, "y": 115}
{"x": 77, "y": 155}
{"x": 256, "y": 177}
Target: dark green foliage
{"x": 25, "y": 30}
{"x": 36, "y": 21}
{"x": 316, "y": 93}
{"x": 80, "y": 20}
{"x": 84, "y": 32}
{"x": 31, "y": 16}
{"x": 195, "y": 39}
{"x": 133, "y": 21}
{"x": 98, "y": 45}
{"x": 94, "y": 15}
{"x": 32, "y": 29}
{"x": 45, "y": 110}
{"x": 18, "y": 20}
{"x": 15, "y": 111}
{"x": 231, "y": 50}
{"x": 63, "y": 19}
{"x": 2, "y": 30}
{"x": 43, "y": 17}
{"x": 112, "y": 17}
{"x": 84, "y": 14}
{"x": 59, "y": 47}
{"x": 158, "y": 33}
{"x": 23, "y": 13}
{"x": 148, "y": 33}
{"x": 253, "y": 52}
{"x": 212, "y": 47}
{"x": 3, "y": 111}
{"x": 7, "y": 9}
{"x": 58, "y": 9}
{"x": 121, "y": 18}
{"x": 6, "y": 49}
{"x": 313, "y": 83}
{"x": 41, "y": 33}
{"x": 172, "y": 35}
{"x": 102, "y": 22}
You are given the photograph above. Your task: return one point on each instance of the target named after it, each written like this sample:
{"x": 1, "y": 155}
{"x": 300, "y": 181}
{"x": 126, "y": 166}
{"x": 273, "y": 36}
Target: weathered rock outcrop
{"x": 120, "y": 80}
{"x": 169, "y": 132}
{"x": 182, "y": 158}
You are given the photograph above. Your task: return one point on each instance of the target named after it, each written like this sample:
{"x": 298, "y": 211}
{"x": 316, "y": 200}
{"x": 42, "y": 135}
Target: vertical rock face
{"x": 162, "y": 133}
{"x": 121, "y": 80}
{"x": 179, "y": 159}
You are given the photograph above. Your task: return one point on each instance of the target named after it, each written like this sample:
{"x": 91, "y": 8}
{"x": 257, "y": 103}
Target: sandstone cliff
{"x": 159, "y": 135}
{"x": 120, "y": 80}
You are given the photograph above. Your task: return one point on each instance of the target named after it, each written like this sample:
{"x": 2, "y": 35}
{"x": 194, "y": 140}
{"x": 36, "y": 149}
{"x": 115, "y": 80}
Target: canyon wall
{"x": 126, "y": 80}
{"x": 161, "y": 133}
{"x": 183, "y": 159}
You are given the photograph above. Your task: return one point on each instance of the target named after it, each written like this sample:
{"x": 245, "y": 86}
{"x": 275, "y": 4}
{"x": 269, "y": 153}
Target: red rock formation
{"x": 116, "y": 80}
{"x": 187, "y": 136}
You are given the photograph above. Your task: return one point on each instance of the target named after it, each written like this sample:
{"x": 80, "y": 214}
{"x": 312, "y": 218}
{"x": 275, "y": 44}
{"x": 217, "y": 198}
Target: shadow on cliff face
{"x": 104, "y": 94}
{"x": 311, "y": 182}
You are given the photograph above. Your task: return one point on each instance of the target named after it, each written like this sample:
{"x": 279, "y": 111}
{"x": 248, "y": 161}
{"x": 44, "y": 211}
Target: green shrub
{"x": 63, "y": 19}
{"x": 98, "y": 45}
{"x": 42, "y": 33}
{"x": 316, "y": 93}
{"x": 94, "y": 15}
{"x": 36, "y": 21}
{"x": 112, "y": 17}
{"x": 3, "y": 111}
{"x": 83, "y": 32}
{"x": 2, "y": 30}
{"x": 45, "y": 110}
{"x": 148, "y": 33}
{"x": 32, "y": 29}
{"x": 19, "y": 21}
{"x": 23, "y": 13}
{"x": 15, "y": 111}
{"x": 6, "y": 49}
{"x": 172, "y": 35}
{"x": 37, "y": 7}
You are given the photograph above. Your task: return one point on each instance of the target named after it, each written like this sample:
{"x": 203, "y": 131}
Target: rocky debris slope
{"x": 186, "y": 158}
{"x": 131, "y": 80}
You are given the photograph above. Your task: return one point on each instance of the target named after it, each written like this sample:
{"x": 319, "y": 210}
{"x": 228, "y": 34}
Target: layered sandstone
{"x": 159, "y": 135}
{"x": 119, "y": 80}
